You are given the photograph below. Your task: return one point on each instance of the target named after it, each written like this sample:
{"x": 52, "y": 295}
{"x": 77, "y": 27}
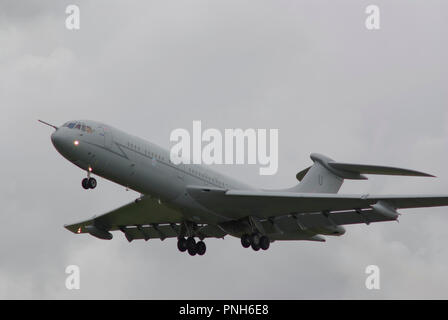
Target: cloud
{"x": 310, "y": 69}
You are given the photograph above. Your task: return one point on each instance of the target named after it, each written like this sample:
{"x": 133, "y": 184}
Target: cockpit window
{"x": 69, "y": 124}
{"x": 79, "y": 126}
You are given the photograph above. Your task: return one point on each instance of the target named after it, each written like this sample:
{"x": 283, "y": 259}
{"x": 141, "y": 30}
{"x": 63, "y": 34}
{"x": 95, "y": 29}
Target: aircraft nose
{"x": 56, "y": 139}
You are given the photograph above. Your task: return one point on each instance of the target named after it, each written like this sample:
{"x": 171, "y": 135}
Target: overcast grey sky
{"x": 309, "y": 68}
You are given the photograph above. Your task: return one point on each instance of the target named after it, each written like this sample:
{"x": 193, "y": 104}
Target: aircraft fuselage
{"x": 139, "y": 165}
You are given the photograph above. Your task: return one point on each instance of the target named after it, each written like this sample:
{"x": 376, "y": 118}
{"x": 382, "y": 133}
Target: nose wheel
{"x": 88, "y": 183}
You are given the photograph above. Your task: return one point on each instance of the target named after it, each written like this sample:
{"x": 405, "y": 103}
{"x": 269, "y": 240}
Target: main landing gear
{"x": 190, "y": 245}
{"x": 255, "y": 241}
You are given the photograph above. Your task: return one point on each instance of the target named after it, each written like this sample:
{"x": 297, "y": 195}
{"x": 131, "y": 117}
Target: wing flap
{"x": 318, "y": 220}
{"x": 167, "y": 231}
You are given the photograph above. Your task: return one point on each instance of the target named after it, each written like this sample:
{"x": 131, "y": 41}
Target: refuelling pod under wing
{"x": 99, "y": 233}
{"x": 385, "y": 209}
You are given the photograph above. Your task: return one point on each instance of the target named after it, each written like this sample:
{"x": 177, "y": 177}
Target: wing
{"x": 143, "y": 219}
{"x": 314, "y": 210}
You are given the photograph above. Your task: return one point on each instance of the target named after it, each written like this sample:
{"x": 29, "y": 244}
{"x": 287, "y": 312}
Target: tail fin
{"x": 327, "y": 176}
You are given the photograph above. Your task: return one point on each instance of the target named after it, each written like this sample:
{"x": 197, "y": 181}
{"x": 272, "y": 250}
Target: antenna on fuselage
{"x": 48, "y": 124}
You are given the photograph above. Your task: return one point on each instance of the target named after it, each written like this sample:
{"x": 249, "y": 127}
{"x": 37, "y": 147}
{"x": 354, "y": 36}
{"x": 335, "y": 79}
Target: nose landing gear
{"x": 88, "y": 183}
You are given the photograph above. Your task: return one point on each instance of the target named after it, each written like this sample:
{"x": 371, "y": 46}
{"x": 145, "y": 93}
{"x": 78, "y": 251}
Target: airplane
{"x": 192, "y": 202}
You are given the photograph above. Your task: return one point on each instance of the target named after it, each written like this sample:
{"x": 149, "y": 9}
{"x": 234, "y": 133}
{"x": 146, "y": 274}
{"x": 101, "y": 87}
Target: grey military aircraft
{"x": 192, "y": 202}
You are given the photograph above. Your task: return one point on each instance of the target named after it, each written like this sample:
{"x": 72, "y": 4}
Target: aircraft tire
{"x": 85, "y": 183}
{"x": 92, "y": 183}
{"x": 192, "y": 251}
{"x": 245, "y": 240}
{"x": 201, "y": 248}
{"x": 255, "y": 246}
{"x": 255, "y": 239}
{"x": 182, "y": 244}
{"x": 191, "y": 243}
{"x": 264, "y": 243}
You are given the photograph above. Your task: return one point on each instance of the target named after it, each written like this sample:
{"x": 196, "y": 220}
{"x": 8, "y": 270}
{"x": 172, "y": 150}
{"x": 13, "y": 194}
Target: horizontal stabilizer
{"x": 372, "y": 169}
{"x": 354, "y": 171}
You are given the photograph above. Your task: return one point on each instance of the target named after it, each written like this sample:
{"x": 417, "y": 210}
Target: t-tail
{"x": 327, "y": 175}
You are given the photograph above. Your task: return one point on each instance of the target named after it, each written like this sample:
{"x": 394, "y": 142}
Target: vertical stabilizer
{"x": 327, "y": 176}
{"x": 318, "y": 178}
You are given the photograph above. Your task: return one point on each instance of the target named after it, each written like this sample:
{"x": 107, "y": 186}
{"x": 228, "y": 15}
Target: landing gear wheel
{"x": 85, "y": 183}
{"x": 192, "y": 250}
{"x": 191, "y": 243}
{"x": 182, "y": 244}
{"x": 255, "y": 239}
{"x": 245, "y": 241}
{"x": 200, "y": 248}
{"x": 264, "y": 243}
{"x": 256, "y": 247}
{"x": 92, "y": 183}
